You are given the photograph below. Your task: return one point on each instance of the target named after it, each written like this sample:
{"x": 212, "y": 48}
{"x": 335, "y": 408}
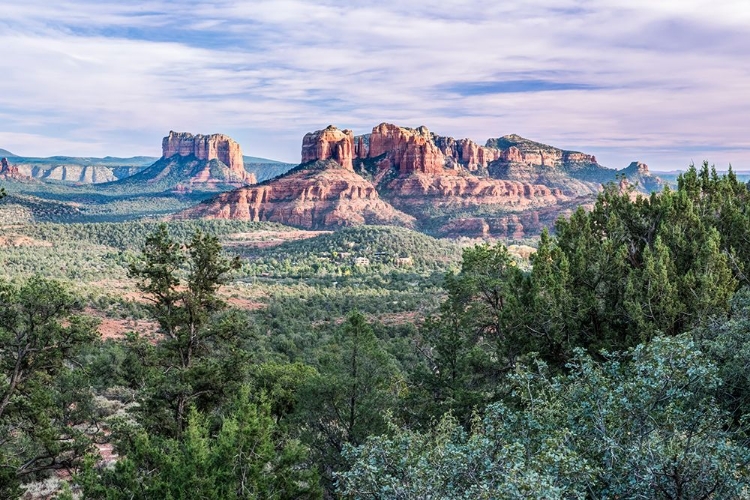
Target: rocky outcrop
{"x": 329, "y": 143}
{"x": 405, "y": 176}
{"x": 524, "y": 224}
{"x": 452, "y": 192}
{"x": 466, "y": 153}
{"x": 406, "y": 150}
{"x": 324, "y": 195}
{"x": 94, "y": 174}
{"x": 7, "y": 169}
{"x": 639, "y": 177}
{"x": 515, "y": 148}
{"x": 11, "y": 172}
{"x": 190, "y": 163}
{"x": 205, "y": 148}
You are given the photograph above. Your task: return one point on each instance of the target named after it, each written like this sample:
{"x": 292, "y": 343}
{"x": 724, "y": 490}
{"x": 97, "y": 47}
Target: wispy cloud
{"x": 663, "y": 82}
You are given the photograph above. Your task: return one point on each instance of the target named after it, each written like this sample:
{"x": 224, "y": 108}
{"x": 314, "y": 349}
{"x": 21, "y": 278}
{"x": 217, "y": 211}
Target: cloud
{"x": 656, "y": 81}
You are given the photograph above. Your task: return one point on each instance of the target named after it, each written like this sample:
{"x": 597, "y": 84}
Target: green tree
{"x": 474, "y": 339}
{"x": 197, "y": 360}
{"x": 348, "y": 399}
{"x": 645, "y": 424}
{"x": 244, "y": 458}
{"x": 726, "y": 342}
{"x": 42, "y": 396}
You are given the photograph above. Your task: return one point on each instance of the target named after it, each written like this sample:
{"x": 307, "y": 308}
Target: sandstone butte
{"x": 430, "y": 169}
{"x": 415, "y": 173}
{"x": 206, "y": 148}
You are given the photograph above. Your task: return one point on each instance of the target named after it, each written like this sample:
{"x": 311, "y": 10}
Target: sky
{"x": 662, "y": 82}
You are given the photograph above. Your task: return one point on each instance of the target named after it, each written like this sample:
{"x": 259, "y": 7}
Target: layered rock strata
{"x": 206, "y": 148}
{"x": 323, "y": 196}
{"x": 329, "y": 143}
{"x": 461, "y": 191}
{"x": 405, "y": 149}
{"x": 414, "y": 177}
{"x": 466, "y": 153}
{"x": 516, "y": 149}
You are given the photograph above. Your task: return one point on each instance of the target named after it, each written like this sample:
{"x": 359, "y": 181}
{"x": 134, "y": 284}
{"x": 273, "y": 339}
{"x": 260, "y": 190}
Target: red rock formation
{"x": 466, "y": 152}
{"x": 517, "y": 225}
{"x": 454, "y": 191}
{"x": 362, "y": 146}
{"x": 407, "y": 150}
{"x": 312, "y": 199}
{"x": 9, "y": 171}
{"x": 206, "y": 147}
{"x": 515, "y": 148}
{"x": 330, "y": 143}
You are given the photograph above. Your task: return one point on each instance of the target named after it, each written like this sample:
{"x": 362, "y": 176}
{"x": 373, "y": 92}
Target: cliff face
{"x": 329, "y": 143}
{"x": 205, "y": 148}
{"x": 190, "y": 163}
{"x": 515, "y": 148}
{"x": 7, "y": 169}
{"x": 405, "y": 149}
{"x": 524, "y": 224}
{"x": 94, "y": 174}
{"x": 461, "y": 191}
{"x": 10, "y": 172}
{"x": 466, "y": 153}
{"x": 323, "y": 196}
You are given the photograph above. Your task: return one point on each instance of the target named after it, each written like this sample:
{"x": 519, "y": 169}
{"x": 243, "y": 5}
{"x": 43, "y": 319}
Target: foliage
{"x": 613, "y": 365}
{"x": 354, "y": 387}
{"x": 244, "y": 458}
{"x": 641, "y": 425}
{"x": 193, "y": 363}
{"x": 42, "y": 397}
{"x": 727, "y": 343}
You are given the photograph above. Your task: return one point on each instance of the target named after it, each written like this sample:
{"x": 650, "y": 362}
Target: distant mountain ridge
{"x": 86, "y": 170}
{"x": 95, "y": 170}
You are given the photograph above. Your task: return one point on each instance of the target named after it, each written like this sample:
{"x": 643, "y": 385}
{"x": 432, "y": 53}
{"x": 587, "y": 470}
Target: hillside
{"x": 370, "y": 245}
{"x": 15, "y": 208}
{"x": 313, "y": 196}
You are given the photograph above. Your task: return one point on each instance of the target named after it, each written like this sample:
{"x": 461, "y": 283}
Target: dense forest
{"x": 381, "y": 363}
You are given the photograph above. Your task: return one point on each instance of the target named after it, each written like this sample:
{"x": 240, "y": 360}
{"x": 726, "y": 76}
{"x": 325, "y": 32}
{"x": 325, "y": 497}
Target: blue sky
{"x": 663, "y": 82}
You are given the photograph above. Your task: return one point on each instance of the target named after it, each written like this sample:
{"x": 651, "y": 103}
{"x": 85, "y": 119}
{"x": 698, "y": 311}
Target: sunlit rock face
{"x": 206, "y": 148}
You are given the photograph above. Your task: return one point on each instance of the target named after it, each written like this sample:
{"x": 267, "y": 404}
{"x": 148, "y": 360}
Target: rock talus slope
{"x": 324, "y": 195}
